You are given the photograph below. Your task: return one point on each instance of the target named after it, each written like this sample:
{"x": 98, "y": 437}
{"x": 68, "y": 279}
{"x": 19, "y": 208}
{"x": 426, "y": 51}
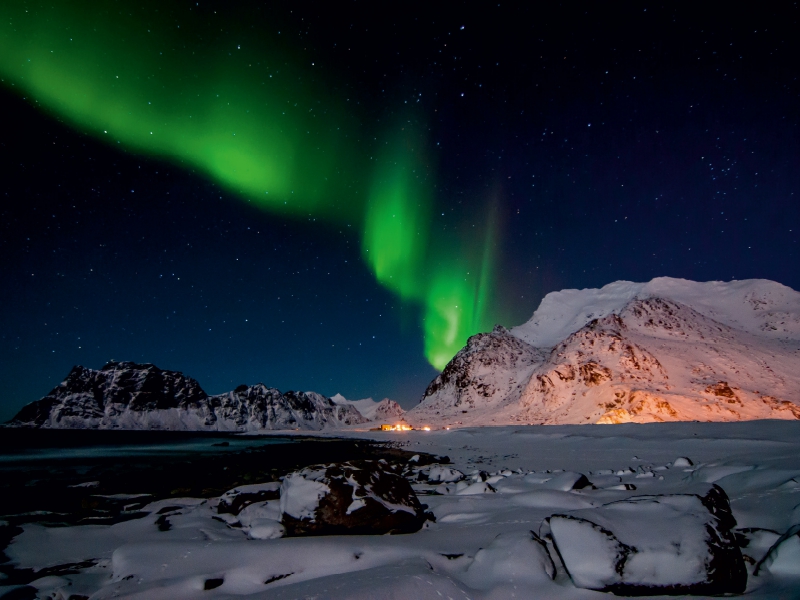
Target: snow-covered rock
{"x": 442, "y": 474}
{"x": 481, "y": 487}
{"x": 565, "y": 481}
{"x": 233, "y": 501}
{"x": 677, "y": 544}
{"x": 126, "y": 395}
{"x": 667, "y": 350}
{"x": 357, "y": 497}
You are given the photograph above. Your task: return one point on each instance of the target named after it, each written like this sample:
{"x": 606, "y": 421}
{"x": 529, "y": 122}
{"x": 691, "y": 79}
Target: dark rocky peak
{"x": 89, "y": 393}
{"x": 303, "y": 401}
{"x": 142, "y": 396}
{"x": 146, "y": 387}
{"x": 256, "y": 393}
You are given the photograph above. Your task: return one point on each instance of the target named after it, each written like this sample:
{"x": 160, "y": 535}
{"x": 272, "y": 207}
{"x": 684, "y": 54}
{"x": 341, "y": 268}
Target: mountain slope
{"x": 385, "y": 410}
{"x": 126, "y": 395}
{"x": 667, "y": 350}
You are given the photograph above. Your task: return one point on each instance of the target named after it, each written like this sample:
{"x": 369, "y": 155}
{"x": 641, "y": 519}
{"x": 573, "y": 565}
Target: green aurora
{"x": 202, "y": 92}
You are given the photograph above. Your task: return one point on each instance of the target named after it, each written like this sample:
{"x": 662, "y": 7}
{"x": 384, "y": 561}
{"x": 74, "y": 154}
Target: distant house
{"x": 397, "y": 427}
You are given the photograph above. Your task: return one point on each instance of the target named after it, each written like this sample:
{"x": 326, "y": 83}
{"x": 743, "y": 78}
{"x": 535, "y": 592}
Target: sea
{"x": 67, "y": 477}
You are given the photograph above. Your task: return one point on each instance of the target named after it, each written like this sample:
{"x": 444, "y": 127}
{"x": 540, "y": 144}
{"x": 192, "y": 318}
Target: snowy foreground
{"x": 492, "y": 537}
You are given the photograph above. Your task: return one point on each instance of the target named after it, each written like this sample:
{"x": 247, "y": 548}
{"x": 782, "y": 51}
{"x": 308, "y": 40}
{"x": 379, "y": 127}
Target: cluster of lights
{"x": 402, "y": 427}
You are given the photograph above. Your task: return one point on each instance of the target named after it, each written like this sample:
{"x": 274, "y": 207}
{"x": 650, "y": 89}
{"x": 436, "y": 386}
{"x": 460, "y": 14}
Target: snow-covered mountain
{"x": 386, "y": 410}
{"x": 667, "y": 350}
{"x": 127, "y": 395}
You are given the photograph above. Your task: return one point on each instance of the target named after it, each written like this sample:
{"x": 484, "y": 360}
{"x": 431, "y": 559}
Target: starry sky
{"x": 333, "y": 198}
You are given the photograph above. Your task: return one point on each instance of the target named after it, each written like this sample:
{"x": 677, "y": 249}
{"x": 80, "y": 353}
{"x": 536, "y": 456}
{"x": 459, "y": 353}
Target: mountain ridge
{"x": 127, "y": 395}
{"x": 631, "y": 352}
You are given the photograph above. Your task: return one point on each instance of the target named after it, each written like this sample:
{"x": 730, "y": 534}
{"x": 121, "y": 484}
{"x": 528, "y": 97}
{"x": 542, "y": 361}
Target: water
{"x": 64, "y": 477}
{"x": 18, "y": 446}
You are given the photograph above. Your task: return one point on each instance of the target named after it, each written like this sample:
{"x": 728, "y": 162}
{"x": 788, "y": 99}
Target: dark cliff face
{"x": 97, "y": 398}
{"x": 146, "y": 387}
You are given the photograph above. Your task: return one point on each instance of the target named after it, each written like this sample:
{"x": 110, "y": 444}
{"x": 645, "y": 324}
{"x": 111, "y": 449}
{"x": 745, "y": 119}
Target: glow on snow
{"x": 240, "y": 109}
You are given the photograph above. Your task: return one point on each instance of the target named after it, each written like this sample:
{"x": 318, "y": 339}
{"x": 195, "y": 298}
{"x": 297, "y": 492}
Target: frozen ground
{"x": 480, "y": 545}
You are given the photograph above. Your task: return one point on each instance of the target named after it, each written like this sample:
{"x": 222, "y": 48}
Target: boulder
{"x": 645, "y": 545}
{"x": 441, "y": 474}
{"x": 563, "y": 480}
{"x": 357, "y": 497}
{"x": 233, "y": 501}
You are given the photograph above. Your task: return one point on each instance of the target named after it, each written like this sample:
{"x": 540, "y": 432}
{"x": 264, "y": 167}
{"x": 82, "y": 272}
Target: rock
{"x": 682, "y": 462}
{"x": 567, "y": 481}
{"x": 784, "y": 557}
{"x": 440, "y": 474}
{"x": 357, "y": 497}
{"x": 479, "y": 476}
{"x": 563, "y": 481}
{"x": 481, "y": 487}
{"x": 646, "y": 545}
{"x": 233, "y": 501}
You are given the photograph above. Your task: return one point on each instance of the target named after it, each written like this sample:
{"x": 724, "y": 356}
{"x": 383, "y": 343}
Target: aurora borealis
{"x": 332, "y": 198}
{"x": 249, "y": 116}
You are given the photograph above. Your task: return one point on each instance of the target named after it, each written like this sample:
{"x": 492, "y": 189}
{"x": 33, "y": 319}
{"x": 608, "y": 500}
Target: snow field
{"x": 492, "y": 544}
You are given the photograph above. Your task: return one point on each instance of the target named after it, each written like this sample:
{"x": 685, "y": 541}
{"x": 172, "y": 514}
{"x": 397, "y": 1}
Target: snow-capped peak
{"x": 758, "y": 306}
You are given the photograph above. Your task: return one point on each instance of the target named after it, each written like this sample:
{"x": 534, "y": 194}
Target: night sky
{"x": 333, "y": 198}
